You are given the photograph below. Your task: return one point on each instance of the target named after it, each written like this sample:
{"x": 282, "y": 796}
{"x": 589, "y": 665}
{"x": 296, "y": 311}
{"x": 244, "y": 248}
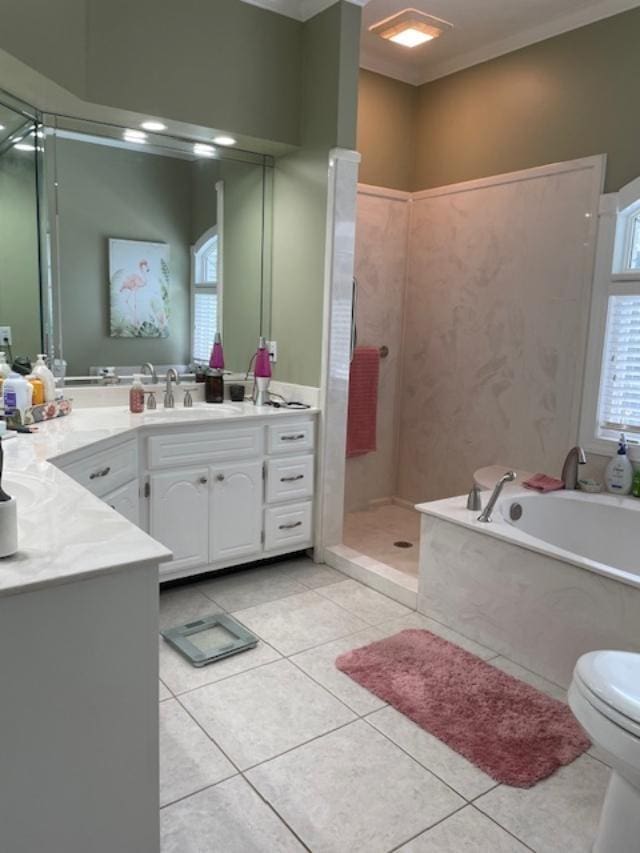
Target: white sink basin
{"x": 180, "y": 413}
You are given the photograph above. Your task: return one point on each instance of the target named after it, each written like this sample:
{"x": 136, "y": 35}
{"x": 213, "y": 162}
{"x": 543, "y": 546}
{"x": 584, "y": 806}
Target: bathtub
{"x": 551, "y": 577}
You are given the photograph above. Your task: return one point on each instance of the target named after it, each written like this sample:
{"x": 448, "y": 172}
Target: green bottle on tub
{"x": 619, "y": 476}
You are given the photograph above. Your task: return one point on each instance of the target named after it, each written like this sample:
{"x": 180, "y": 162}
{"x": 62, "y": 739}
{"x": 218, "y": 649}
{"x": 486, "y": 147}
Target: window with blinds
{"x": 205, "y": 325}
{"x": 620, "y": 381}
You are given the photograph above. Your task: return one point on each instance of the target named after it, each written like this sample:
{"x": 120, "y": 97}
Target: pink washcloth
{"x": 363, "y": 401}
{"x": 543, "y": 483}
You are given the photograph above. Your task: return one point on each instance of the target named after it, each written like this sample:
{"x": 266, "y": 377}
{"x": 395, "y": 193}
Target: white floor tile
{"x": 164, "y": 692}
{"x": 417, "y": 620}
{"x": 189, "y": 761}
{"x": 239, "y": 590}
{"x": 354, "y": 791}
{"x": 228, "y": 818}
{"x": 309, "y": 574}
{"x": 299, "y": 622}
{"x": 467, "y": 830}
{"x": 364, "y": 602}
{"x": 180, "y": 604}
{"x": 320, "y": 664}
{"x": 463, "y": 776}
{"x": 260, "y": 714}
{"x": 560, "y": 813}
{"x": 180, "y": 675}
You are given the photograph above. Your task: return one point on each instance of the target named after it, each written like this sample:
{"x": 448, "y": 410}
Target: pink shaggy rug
{"x": 505, "y": 727}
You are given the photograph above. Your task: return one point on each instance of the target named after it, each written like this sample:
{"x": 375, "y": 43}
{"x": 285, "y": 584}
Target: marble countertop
{"x": 65, "y": 533}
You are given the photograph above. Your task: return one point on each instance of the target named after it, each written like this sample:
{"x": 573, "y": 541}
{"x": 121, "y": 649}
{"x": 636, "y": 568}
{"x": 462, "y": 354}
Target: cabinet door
{"x": 236, "y": 510}
{"x": 126, "y": 501}
{"x": 179, "y": 515}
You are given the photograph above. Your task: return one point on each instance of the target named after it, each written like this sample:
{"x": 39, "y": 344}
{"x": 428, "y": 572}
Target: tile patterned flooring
{"x": 372, "y": 532}
{"x": 275, "y": 750}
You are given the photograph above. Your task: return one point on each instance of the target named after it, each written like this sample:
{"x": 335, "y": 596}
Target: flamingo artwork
{"x": 133, "y": 283}
{"x": 139, "y": 283}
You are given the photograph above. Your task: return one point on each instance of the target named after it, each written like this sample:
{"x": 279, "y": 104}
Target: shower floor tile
{"x": 373, "y": 532}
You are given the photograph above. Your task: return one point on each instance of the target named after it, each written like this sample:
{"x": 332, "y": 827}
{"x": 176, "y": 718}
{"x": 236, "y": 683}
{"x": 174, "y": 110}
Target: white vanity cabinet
{"x": 217, "y": 493}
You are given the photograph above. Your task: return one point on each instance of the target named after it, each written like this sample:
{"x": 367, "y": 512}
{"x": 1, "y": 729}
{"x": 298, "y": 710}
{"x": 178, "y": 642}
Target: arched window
{"x": 612, "y": 381}
{"x": 206, "y": 295}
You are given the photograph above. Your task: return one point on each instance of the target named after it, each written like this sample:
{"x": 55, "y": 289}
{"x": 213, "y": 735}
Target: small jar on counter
{"x": 214, "y": 386}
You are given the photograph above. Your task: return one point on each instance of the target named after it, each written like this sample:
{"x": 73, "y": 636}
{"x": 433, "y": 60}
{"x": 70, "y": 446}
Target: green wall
{"x": 566, "y": 97}
{"x": 329, "y": 86}
{"x": 386, "y": 131}
{"x": 19, "y": 274}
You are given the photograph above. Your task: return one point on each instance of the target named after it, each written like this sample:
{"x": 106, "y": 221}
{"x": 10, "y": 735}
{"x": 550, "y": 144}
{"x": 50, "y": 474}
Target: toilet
{"x": 605, "y": 699}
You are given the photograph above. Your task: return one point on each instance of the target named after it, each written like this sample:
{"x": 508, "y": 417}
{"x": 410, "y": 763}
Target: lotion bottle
{"x": 42, "y": 372}
{"x": 619, "y": 476}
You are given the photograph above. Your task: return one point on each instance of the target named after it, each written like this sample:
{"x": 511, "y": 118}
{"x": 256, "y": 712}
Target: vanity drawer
{"x": 289, "y": 478}
{"x": 287, "y": 526}
{"x": 105, "y": 470}
{"x": 215, "y": 445}
{"x": 290, "y": 437}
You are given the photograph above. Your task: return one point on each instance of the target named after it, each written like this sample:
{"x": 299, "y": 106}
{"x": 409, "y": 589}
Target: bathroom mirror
{"x": 156, "y": 244}
{"x": 20, "y": 165}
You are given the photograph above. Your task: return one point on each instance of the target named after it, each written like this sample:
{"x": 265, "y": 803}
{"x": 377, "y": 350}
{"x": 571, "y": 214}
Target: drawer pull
{"x": 220, "y": 478}
{"x": 203, "y": 481}
{"x": 297, "y": 437}
{"x": 290, "y": 526}
{"x": 292, "y": 479}
{"x": 102, "y": 473}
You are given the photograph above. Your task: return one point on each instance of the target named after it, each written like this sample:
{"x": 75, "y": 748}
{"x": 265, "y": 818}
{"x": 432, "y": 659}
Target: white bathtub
{"x": 551, "y": 577}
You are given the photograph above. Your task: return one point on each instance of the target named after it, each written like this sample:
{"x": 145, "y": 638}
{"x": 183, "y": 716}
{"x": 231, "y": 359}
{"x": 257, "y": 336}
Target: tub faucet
{"x": 169, "y": 399}
{"x": 576, "y": 456}
{"x": 485, "y": 515}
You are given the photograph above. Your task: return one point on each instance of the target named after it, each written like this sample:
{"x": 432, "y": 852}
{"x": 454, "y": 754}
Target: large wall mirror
{"x": 20, "y": 170}
{"x": 156, "y": 244}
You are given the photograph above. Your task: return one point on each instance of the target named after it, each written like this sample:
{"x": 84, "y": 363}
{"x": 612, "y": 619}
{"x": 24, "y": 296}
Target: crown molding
{"x": 300, "y": 10}
{"x": 565, "y": 23}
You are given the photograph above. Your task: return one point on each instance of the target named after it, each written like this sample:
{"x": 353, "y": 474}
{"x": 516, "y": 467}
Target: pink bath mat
{"x": 507, "y": 728}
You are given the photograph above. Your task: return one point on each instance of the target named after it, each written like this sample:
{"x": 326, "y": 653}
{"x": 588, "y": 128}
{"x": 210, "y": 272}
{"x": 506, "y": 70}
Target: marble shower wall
{"x": 380, "y": 267}
{"x": 497, "y": 303}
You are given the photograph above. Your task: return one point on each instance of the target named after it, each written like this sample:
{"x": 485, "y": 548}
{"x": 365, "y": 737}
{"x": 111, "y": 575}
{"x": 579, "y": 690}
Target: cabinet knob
{"x": 220, "y": 478}
{"x": 203, "y": 480}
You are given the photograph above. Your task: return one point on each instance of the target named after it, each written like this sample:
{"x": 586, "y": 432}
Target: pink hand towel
{"x": 543, "y": 483}
{"x": 363, "y": 401}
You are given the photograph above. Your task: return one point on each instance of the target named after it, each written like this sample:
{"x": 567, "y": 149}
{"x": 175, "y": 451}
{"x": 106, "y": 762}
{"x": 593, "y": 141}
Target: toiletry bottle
{"x": 136, "y": 395}
{"x": 5, "y": 370}
{"x": 37, "y": 386}
{"x": 16, "y": 394}
{"x": 635, "y": 485}
{"x": 42, "y": 372}
{"x": 619, "y": 476}
{"x": 217, "y": 353}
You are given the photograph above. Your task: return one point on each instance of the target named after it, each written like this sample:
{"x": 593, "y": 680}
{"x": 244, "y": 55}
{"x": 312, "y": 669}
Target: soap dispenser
{"x": 619, "y": 476}
{"x": 262, "y": 373}
{"x": 42, "y": 372}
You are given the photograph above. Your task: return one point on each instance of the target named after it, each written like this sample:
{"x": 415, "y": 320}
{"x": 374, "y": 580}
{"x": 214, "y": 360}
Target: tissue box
{"x": 38, "y": 414}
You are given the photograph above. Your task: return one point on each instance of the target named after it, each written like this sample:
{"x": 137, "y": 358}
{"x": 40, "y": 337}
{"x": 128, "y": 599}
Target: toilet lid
{"x": 614, "y": 677}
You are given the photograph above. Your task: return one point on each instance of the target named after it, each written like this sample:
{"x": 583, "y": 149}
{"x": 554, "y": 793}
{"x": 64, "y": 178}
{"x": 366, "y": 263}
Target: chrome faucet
{"x": 576, "y": 456}
{"x": 485, "y": 515}
{"x": 147, "y": 367}
{"x": 169, "y": 399}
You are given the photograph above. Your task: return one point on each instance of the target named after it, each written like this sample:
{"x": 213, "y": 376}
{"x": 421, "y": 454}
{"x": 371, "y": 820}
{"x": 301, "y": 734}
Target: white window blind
{"x": 634, "y": 243}
{"x": 205, "y": 324}
{"x": 620, "y": 383}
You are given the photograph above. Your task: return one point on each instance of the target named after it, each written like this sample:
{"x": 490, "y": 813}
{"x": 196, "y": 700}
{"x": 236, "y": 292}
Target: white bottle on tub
{"x": 619, "y": 476}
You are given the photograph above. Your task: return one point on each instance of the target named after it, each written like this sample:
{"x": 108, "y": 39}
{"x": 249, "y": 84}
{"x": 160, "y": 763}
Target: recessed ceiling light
{"x": 224, "y": 140}
{"x": 202, "y": 150}
{"x": 153, "y": 126}
{"x": 410, "y": 28}
{"x": 2, "y": 127}
{"x": 134, "y": 136}
{"x": 23, "y": 146}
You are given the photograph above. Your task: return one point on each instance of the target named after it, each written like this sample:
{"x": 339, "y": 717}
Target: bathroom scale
{"x": 210, "y": 639}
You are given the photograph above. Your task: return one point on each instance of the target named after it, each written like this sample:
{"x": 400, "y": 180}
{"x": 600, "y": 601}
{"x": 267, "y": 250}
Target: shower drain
{"x": 403, "y": 544}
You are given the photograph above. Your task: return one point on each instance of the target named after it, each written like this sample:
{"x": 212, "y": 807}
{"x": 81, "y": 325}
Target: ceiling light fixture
{"x": 2, "y": 127}
{"x": 410, "y": 28}
{"x": 202, "y": 150}
{"x": 23, "y": 146}
{"x": 153, "y": 126}
{"x": 134, "y": 136}
{"x": 224, "y": 140}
